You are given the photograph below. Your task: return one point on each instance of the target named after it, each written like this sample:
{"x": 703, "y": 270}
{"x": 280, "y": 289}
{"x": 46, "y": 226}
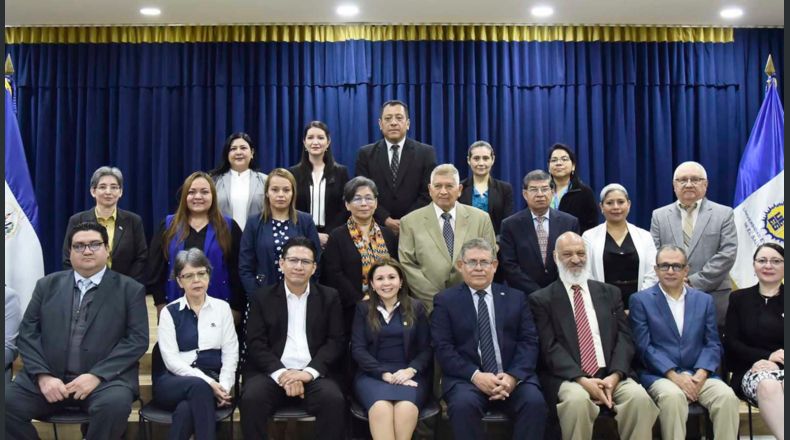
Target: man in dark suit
{"x": 487, "y": 347}
{"x": 587, "y": 349}
{"x": 127, "y": 244}
{"x": 80, "y": 340}
{"x": 528, "y": 236}
{"x": 294, "y": 336}
{"x": 401, "y": 167}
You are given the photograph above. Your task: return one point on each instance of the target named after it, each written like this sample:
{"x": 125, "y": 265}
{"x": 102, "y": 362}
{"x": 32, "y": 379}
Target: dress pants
{"x": 716, "y": 396}
{"x": 108, "y": 407}
{"x": 526, "y": 407}
{"x": 261, "y": 396}
{"x": 192, "y": 401}
{"x": 635, "y": 411}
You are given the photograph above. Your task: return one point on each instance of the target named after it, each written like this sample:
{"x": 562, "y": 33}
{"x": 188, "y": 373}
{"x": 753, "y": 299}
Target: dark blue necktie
{"x": 487, "y": 353}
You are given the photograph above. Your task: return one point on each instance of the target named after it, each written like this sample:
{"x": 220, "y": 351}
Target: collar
{"x": 669, "y": 298}
{"x": 289, "y": 294}
{"x": 183, "y": 304}
{"x": 383, "y": 310}
{"x": 400, "y": 143}
{"x": 242, "y": 175}
{"x": 95, "y": 278}
{"x": 695, "y": 206}
{"x": 535, "y": 217}
{"x": 474, "y": 291}
{"x": 439, "y": 211}
{"x": 569, "y": 287}
{"x": 111, "y": 216}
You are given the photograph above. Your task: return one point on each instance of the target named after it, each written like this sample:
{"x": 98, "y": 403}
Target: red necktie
{"x": 586, "y": 346}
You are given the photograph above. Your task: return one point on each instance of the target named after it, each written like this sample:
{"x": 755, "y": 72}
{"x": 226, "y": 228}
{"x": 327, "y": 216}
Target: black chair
{"x": 66, "y": 417}
{"x": 697, "y": 411}
{"x": 151, "y": 413}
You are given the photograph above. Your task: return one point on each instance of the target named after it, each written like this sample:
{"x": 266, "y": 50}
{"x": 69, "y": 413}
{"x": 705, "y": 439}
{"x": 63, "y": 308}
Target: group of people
{"x": 317, "y": 287}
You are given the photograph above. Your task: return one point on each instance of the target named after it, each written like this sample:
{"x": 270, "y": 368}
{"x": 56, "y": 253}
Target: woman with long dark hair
{"x": 571, "y": 195}
{"x": 239, "y": 184}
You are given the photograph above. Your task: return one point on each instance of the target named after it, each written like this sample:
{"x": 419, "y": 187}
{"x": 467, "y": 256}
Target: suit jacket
{"x": 416, "y": 342}
{"x": 115, "y": 340}
{"x": 129, "y": 247}
{"x": 559, "y": 342}
{"x": 595, "y": 239}
{"x": 713, "y": 247}
{"x": 267, "y": 329}
{"x": 520, "y": 252}
{"x": 659, "y": 345}
{"x": 456, "y": 340}
{"x": 256, "y": 197}
{"x": 335, "y": 213}
{"x": 410, "y": 190}
{"x": 423, "y": 251}
{"x": 500, "y": 199}
{"x": 341, "y": 267}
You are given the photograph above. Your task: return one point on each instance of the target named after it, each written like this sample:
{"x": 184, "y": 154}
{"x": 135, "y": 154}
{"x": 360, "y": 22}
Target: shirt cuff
{"x": 472, "y": 379}
{"x": 312, "y": 372}
{"x": 276, "y": 375}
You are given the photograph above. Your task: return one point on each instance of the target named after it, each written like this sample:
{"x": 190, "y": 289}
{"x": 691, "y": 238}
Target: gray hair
{"x": 613, "y": 187}
{"x": 669, "y": 248}
{"x": 446, "y": 169}
{"x": 697, "y": 165}
{"x": 353, "y": 185}
{"x": 191, "y": 257}
{"x": 106, "y": 171}
{"x": 536, "y": 175}
{"x": 478, "y": 144}
{"x": 478, "y": 243}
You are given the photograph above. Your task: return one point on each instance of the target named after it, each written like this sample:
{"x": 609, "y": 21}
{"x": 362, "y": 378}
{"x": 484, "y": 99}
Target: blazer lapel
{"x": 61, "y": 313}
{"x": 703, "y": 217}
{"x": 406, "y": 158}
{"x": 382, "y": 157}
{"x": 314, "y": 305}
{"x": 689, "y": 312}
{"x": 253, "y": 187}
{"x": 223, "y": 186}
{"x": 461, "y": 229}
{"x": 431, "y": 224}
{"x": 120, "y": 225}
{"x": 604, "y": 317}
{"x": 676, "y": 223}
{"x": 532, "y": 236}
{"x": 561, "y": 306}
{"x": 663, "y": 309}
{"x": 500, "y": 308}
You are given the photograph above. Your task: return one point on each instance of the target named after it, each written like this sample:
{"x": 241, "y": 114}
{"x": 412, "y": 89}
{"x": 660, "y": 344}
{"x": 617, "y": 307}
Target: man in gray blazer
{"x": 80, "y": 340}
{"x": 704, "y": 229}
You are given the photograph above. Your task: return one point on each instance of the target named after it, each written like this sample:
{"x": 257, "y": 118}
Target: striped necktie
{"x": 586, "y": 346}
{"x": 395, "y": 162}
{"x": 487, "y": 353}
{"x": 688, "y": 224}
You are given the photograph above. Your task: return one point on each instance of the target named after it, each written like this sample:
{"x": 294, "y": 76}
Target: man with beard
{"x": 587, "y": 349}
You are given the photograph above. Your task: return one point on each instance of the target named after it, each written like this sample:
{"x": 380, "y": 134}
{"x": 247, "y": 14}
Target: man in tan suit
{"x": 432, "y": 236}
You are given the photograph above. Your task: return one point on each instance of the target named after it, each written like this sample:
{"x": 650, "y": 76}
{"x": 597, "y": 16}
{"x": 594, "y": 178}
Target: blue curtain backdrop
{"x": 632, "y": 111}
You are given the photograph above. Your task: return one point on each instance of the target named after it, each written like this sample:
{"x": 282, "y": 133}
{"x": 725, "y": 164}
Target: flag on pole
{"x": 24, "y": 261}
{"x": 759, "y": 191}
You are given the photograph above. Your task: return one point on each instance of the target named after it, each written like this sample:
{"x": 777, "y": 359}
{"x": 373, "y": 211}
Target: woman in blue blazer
{"x": 390, "y": 342}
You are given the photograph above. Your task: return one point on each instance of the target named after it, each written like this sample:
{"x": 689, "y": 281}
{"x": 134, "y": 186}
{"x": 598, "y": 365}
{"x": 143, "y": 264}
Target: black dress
{"x": 621, "y": 266}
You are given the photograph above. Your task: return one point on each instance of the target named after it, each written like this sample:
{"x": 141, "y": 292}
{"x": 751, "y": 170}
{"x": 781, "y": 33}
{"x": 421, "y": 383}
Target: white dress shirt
{"x": 400, "y": 150}
{"x": 439, "y": 213}
{"x": 677, "y": 307}
{"x": 592, "y": 318}
{"x": 240, "y": 195}
{"x": 296, "y": 354}
{"x": 385, "y": 314}
{"x": 318, "y": 199}
{"x": 215, "y": 332}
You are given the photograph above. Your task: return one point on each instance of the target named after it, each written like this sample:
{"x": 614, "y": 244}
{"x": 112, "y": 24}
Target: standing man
{"x": 432, "y": 236}
{"x": 127, "y": 244}
{"x": 528, "y": 236}
{"x": 487, "y": 347}
{"x": 704, "y": 230}
{"x": 400, "y": 166}
{"x": 677, "y": 342}
{"x": 80, "y": 340}
{"x": 294, "y": 336}
{"x": 587, "y": 349}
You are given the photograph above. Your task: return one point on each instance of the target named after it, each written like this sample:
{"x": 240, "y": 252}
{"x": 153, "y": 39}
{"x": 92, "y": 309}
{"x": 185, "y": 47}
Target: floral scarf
{"x": 371, "y": 248}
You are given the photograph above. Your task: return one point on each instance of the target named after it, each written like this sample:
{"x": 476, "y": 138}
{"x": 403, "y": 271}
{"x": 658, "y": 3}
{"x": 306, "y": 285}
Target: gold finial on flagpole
{"x": 769, "y": 66}
{"x": 9, "y": 66}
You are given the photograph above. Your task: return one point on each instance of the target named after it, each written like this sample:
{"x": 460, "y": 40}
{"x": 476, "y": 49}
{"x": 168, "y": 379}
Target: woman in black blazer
{"x": 571, "y": 195}
{"x": 320, "y": 181}
{"x": 390, "y": 343}
{"x": 754, "y": 337}
{"x": 483, "y": 191}
{"x": 353, "y": 247}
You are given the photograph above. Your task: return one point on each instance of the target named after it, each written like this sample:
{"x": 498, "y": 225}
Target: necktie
{"x": 487, "y": 353}
{"x": 394, "y": 163}
{"x": 543, "y": 238}
{"x": 85, "y": 285}
{"x": 688, "y": 225}
{"x": 586, "y": 346}
{"x": 447, "y": 231}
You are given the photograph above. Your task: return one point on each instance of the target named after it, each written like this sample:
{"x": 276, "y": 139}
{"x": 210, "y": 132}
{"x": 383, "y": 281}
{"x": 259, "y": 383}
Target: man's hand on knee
{"x": 83, "y": 385}
{"x": 52, "y": 388}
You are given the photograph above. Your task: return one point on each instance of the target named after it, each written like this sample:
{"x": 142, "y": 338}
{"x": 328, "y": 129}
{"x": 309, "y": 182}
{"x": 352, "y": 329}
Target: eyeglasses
{"x": 483, "y": 264}
{"x": 389, "y": 118}
{"x": 774, "y": 261}
{"x": 357, "y": 200}
{"x": 93, "y": 246}
{"x": 692, "y": 180}
{"x": 110, "y": 188}
{"x": 664, "y": 267}
{"x": 563, "y": 159}
{"x": 199, "y": 275}
{"x": 541, "y": 190}
{"x": 293, "y": 261}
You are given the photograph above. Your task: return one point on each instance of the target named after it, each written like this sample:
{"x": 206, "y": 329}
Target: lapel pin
{"x": 502, "y": 293}
{"x": 213, "y": 325}
{"x": 405, "y": 323}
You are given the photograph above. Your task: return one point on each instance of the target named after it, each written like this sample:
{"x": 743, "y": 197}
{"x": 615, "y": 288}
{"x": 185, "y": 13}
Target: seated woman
{"x": 754, "y": 338}
{"x": 200, "y": 351}
{"x": 620, "y": 253}
{"x": 354, "y": 247}
{"x": 320, "y": 180}
{"x": 197, "y": 223}
{"x": 571, "y": 195}
{"x": 482, "y": 191}
{"x": 239, "y": 184}
{"x": 390, "y": 342}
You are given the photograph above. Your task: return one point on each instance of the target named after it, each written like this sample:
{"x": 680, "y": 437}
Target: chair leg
{"x": 749, "y": 406}
{"x": 55, "y": 429}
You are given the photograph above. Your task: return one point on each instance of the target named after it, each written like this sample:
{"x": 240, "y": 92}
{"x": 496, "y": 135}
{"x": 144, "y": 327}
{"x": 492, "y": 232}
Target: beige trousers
{"x": 716, "y": 396}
